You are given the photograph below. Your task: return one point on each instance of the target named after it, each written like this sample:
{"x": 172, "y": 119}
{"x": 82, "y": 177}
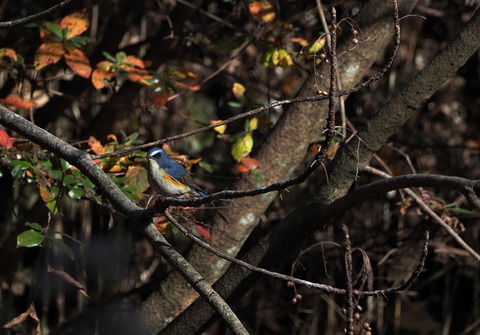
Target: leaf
{"x": 49, "y": 199}
{"x": 253, "y": 124}
{"x": 104, "y": 70}
{"x": 69, "y": 279}
{"x": 5, "y": 140}
{"x": 60, "y": 244}
{"x": 203, "y": 232}
{"x": 462, "y": 211}
{"x": 30, "y": 312}
{"x": 96, "y": 146}
{"x": 160, "y": 98}
{"x": 7, "y": 52}
{"x": 16, "y": 101}
{"x": 242, "y": 147}
{"x": 78, "y": 62}
{"x": 48, "y": 53}
{"x": 50, "y": 28}
{"x": 247, "y": 164}
{"x": 238, "y": 91}
{"x": 76, "y": 23}
{"x": 193, "y": 88}
{"x": 220, "y": 129}
{"x": 137, "y": 180}
{"x": 317, "y": 45}
{"x": 34, "y": 225}
{"x": 262, "y": 9}
{"x": 76, "y": 193}
{"x": 303, "y": 42}
{"x": 29, "y": 238}
{"x": 282, "y": 58}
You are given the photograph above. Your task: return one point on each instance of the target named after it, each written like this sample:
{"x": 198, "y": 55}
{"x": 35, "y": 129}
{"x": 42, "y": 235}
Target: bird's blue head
{"x": 155, "y": 153}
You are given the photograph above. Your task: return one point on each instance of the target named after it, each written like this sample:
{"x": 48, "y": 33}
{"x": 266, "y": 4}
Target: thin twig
{"x": 35, "y": 17}
{"x": 432, "y": 214}
{"x": 349, "y": 283}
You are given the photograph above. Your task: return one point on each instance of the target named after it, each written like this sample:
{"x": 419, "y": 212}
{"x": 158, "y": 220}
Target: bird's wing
{"x": 178, "y": 173}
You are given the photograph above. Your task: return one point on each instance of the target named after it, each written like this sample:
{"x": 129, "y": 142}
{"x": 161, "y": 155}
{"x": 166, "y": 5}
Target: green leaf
{"x": 120, "y": 56}
{"x": 242, "y": 147}
{"x": 461, "y": 211}
{"x": 34, "y": 225}
{"x": 30, "y": 238}
{"x": 208, "y": 167}
{"x": 79, "y": 41}
{"x": 54, "y": 28}
{"x": 109, "y": 56}
{"x": 69, "y": 180}
{"x": 235, "y": 104}
{"x": 62, "y": 246}
{"x": 76, "y": 193}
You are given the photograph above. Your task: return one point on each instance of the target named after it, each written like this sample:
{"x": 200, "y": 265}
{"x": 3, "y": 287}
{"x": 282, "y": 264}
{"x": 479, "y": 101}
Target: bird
{"x": 168, "y": 177}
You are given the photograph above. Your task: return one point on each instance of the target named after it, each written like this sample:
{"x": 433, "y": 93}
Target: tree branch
{"x": 36, "y": 17}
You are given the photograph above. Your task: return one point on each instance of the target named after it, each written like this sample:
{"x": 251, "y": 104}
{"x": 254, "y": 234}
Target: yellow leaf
{"x": 76, "y": 23}
{"x": 78, "y": 62}
{"x": 48, "y": 53}
{"x": 7, "y": 52}
{"x": 253, "y": 124}
{"x": 220, "y": 129}
{"x": 242, "y": 147}
{"x": 317, "y": 45}
{"x": 239, "y": 91}
{"x": 281, "y": 58}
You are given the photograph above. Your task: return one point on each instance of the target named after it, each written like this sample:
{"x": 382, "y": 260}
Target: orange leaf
{"x": 48, "y": 53}
{"x": 191, "y": 88}
{"x": 5, "y": 140}
{"x": 303, "y": 42}
{"x": 262, "y": 9}
{"x": 220, "y": 129}
{"x": 78, "y": 62}
{"x": 16, "y": 101}
{"x": 76, "y": 23}
{"x": 130, "y": 62}
{"x": 104, "y": 71}
{"x": 247, "y": 164}
{"x": 98, "y": 78}
{"x": 96, "y": 146}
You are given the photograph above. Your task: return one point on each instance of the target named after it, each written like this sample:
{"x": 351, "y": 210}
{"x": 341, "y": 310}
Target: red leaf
{"x": 5, "y": 140}
{"x": 16, "y": 101}
{"x": 203, "y": 232}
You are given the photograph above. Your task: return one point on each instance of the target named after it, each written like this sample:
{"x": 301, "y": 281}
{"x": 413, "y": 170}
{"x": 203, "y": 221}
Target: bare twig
{"x": 349, "y": 283}
{"x": 35, "y": 17}
{"x": 206, "y": 246}
{"x": 432, "y": 214}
